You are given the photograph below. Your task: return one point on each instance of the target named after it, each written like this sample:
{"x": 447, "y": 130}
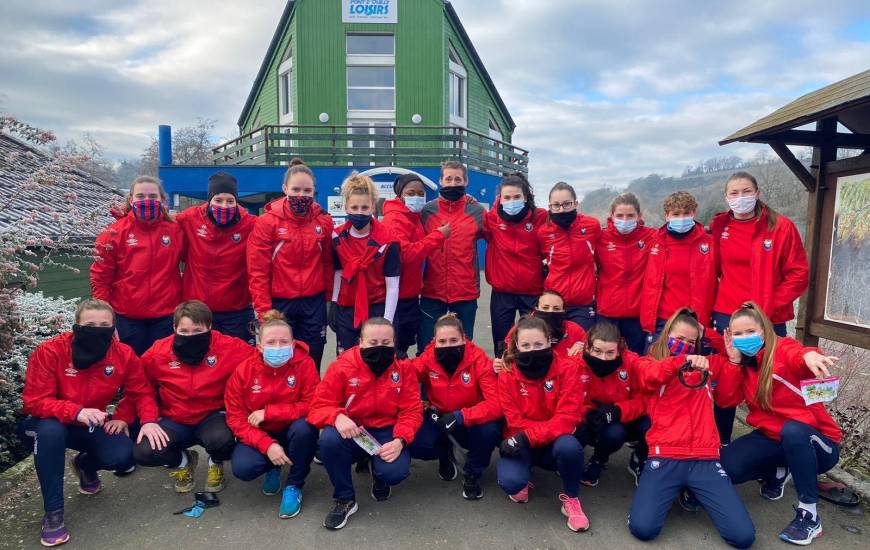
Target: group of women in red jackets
{"x": 616, "y": 343}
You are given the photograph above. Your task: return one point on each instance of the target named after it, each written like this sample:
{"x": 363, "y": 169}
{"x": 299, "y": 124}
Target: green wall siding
{"x": 57, "y": 281}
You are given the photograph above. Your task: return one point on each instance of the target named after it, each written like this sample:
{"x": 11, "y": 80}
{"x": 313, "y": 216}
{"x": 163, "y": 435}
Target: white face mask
{"x": 743, "y": 205}
{"x": 414, "y": 204}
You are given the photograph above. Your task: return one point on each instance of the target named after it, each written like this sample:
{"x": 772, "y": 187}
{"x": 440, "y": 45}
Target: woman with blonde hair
{"x": 136, "y": 266}
{"x": 367, "y": 264}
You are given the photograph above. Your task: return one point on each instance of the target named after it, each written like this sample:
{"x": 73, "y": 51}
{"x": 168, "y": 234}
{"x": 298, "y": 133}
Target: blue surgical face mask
{"x": 681, "y": 225}
{"x": 414, "y": 204}
{"x": 625, "y": 226}
{"x": 748, "y": 345}
{"x": 277, "y": 356}
{"x": 511, "y": 208}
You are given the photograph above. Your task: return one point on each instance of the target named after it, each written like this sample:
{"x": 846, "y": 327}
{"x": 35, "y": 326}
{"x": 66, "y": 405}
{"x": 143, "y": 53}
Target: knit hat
{"x": 221, "y": 182}
{"x": 404, "y": 180}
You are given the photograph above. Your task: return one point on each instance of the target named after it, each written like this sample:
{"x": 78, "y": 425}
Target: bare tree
{"x": 190, "y": 145}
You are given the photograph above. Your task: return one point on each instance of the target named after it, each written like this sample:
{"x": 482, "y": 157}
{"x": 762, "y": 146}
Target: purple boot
{"x": 89, "y": 483}
{"x": 54, "y": 531}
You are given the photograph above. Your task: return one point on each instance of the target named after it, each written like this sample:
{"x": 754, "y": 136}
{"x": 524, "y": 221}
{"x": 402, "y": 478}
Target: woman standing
{"x": 216, "y": 234}
{"x": 290, "y": 259}
{"x": 621, "y": 254}
{"x": 792, "y": 440}
{"x": 513, "y": 257}
{"x": 136, "y": 266}
{"x": 366, "y": 389}
{"x": 759, "y": 257}
{"x": 367, "y": 265}
{"x": 567, "y": 244}
{"x": 267, "y": 399}
{"x": 402, "y": 220}
{"x": 70, "y": 381}
{"x": 540, "y": 394}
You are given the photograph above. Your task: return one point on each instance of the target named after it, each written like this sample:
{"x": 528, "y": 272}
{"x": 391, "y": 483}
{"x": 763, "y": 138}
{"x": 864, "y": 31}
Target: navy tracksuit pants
{"x": 564, "y": 455}
{"x": 582, "y": 315}
{"x": 346, "y": 335}
{"x": 629, "y": 328}
{"x": 51, "y": 438}
{"x": 407, "y": 323}
{"x": 803, "y": 450}
{"x": 307, "y": 318}
{"x": 212, "y": 433}
{"x": 339, "y": 454}
{"x": 431, "y": 309}
{"x": 503, "y": 310}
{"x": 235, "y": 323}
{"x": 299, "y": 441}
{"x": 611, "y": 437}
{"x": 660, "y": 484}
{"x": 140, "y": 334}
{"x": 431, "y": 443}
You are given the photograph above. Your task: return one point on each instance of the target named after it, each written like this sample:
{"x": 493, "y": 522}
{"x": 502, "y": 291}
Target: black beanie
{"x": 404, "y": 180}
{"x": 221, "y": 182}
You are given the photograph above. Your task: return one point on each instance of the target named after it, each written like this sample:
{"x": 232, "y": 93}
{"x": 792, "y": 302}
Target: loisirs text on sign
{"x": 370, "y": 11}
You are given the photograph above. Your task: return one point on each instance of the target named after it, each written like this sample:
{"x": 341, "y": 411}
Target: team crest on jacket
{"x": 318, "y": 229}
{"x": 291, "y": 381}
{"x": 529, "y": 227}
{"x": 767, "y": 244}
{"x": 165, "y": 240}
{"x": 237, "y": 237}
{"x": 623, "y": 375}
{"x": 131, "y": 239}
{"x": 582, "y": 230}
{"x": 211, "y": 360}
{"x": 641, "y": 244}
{"x": 704, "y": 248}
{"x": 395, "y": 376}
{"x": 466, "y": 377}
{"x": 548, "y": 385}
{"x": 108, "y": 370}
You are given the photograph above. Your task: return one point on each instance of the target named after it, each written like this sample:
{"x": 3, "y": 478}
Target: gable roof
{"x": 18, "y": 161}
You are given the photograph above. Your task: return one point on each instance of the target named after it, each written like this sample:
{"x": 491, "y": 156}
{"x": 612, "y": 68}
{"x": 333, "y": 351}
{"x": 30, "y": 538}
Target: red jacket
{"x": 780, "y": 273}
{"x": 472, "y": 389}
{"x": 189, "y": 393}
{"x": 570, "y": 254}
{"x": 350, "y": 388}
{"x": 453, "y": 271}
{"x": 284, "y": 394}
{"x": 215, "y": 270}
{"x": 544, "y": 409}
{"x": 621, "y": 264}
{"x": 513, "y": 257}
{"x": 618, "y": 388}
{"x": 405, "y": 228}
{"x": 739, "y": 384}
{"x": 702, "y": 276}
{"x": 53, "y": 388}
{"x": 288, "y": 256}
{"x": 136, "y": 267}
{"x": 572, "y": 333}
{"x": 683, "y": 427}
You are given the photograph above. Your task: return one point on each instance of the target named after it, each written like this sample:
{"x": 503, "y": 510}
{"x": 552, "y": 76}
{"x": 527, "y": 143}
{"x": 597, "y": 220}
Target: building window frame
{"x": 370, "y": 60}
{"x": 285, "y": 92}
{"x": 457, "y": 85}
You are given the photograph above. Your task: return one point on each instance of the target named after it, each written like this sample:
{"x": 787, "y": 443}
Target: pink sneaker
{"x": 522, "y": 496}
{"x": 577, "y": 520}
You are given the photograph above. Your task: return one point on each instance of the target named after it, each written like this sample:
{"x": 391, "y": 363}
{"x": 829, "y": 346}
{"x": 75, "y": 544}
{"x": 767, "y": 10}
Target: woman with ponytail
{"x": 216, "y": 237}
{"x": 683, "y": 442}
{"x": 367, "y": 265}
{"x": 136, "y": 266}
{"x": 290, "y": 259}
{"x": 513, "y": 257}
{"x": 267, "y": 400}
{"x": 792, "y": 440}
{"x": 541, "y": 395}
{"x": 759, "y": 257}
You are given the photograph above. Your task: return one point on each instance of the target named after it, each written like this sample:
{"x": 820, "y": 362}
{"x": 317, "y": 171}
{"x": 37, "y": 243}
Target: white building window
{"x": 371, "y": 75}
{"x": 285, "y": 88}
{"x": 458, "y": 89}
{"x": 495, "y": 135}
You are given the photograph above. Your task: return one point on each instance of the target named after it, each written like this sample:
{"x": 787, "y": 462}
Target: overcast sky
{"x": 601, "y": 91}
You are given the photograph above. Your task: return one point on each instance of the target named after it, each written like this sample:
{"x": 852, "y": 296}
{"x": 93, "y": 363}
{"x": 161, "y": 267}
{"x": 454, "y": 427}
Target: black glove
{"x": 582, "y": 430}
{"x": 603, "y": 415}
{"x": 447, "y": 422}
{"x": 332, "y": 315}
{"x": 512, "y": 445}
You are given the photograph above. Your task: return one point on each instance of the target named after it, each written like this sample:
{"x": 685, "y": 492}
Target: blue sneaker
{"x": 272, "y": 482}
{"x": 688, "y": 501}
{"x": 291, "y": 502}
{"x": 802, "y": 529}
{"x": 774, "y": 489}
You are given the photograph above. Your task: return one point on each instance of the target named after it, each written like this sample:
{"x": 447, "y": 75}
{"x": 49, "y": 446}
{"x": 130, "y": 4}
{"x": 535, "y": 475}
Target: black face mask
{"x": 513, "y": 218}
{"x": 750, "y": 361}
{"x": 378, "y": 358}
{"x": 555, "y": 320}
{"x": 449, "y": 357}
{"x": 452, "y": 194}
{"x": 564, "y": 219}
{"x": 358, "y": 221}
{"x": 191, "y": 348}
{"x": 602, "y": 367}
{"x": 90, "y": 344}
{"x": 535, "y": 364}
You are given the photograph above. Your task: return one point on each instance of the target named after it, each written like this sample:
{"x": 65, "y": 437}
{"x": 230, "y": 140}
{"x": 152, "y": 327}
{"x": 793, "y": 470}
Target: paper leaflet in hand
{"x": 367, "y": 442}
{"x": 822, "y": 390}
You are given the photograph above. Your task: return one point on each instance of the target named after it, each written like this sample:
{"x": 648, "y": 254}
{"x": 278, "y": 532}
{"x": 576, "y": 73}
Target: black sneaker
{"x": 317, "y": 459}
{"x": 471, "y": 489}
{"x": 802, "y": 529}
{"x": 362, "y": 465}
{"x": 447, "y": 470}
{"x": 592, "y": 473}
{"x": 688, "y": 501}
{"x": 635, "y": 467}
{"x": 380, "y": 490}
{"x": 337, "y": 518}
{"x": 774, "y": 489}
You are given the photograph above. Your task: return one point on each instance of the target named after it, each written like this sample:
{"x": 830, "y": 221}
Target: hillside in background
{"x": 779, "y": 188}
